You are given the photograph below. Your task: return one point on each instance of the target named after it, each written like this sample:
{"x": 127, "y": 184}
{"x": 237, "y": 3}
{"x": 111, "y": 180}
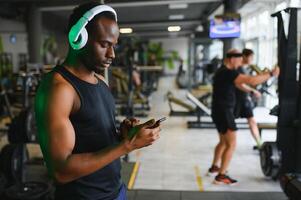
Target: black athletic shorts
{"x": 244, "y": 109}
{"x": 224, "y": 119}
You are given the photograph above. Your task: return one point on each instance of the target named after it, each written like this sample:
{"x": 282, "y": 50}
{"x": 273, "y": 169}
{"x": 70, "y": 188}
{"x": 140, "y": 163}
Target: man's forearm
{"x": 245, "y": 88}
{"x": 79, "y": 165}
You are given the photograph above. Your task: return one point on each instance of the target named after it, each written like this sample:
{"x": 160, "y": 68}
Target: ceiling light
{"x": 176, "y": 17}
{"x": 178, "y": 6}
{"x": 126, "y": 30}
{"x": 174, "y": 28}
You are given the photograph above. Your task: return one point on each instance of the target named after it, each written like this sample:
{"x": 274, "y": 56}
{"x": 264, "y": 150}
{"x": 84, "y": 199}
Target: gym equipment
{"x": 129, "y": 100}
{"x": 204, "y": 96}
{"x": 291, "y": 185}
{"x": 150, "y": 78}
{"x": 29, "y": 191}
{"x": 258, "y": 70}
{"x": 200, "y": 105}
{"x": 269, "y": 126}
{"x": 191, "y": 111}
{"x": 270, "y": 159}
{"x": 12, "y": 159}
{"x": 275, "y": 111}
{"x": 203, "y": 110}
{"x": 78, "y": 35}
{"x": 2, "y": 183}
{"x": 283, "y": 156}
{"x": 5, "y": 104}
{"x": 23, "y": 59}
{"x": 23, "y": 127}
{"x": 6, "y": 67}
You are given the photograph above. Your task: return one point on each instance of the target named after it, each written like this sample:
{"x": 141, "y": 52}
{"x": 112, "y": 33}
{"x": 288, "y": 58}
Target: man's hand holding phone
{"x": 143, "y": 135}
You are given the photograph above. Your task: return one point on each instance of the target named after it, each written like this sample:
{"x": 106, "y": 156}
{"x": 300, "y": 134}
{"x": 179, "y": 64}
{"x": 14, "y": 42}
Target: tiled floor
{"x": 174, "y": 161}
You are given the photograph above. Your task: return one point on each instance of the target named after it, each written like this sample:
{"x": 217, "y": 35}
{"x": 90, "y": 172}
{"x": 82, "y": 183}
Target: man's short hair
{"x": 233, "y": 53}
{"x": 80, "y": 10}
{"x": 247, "y": 52}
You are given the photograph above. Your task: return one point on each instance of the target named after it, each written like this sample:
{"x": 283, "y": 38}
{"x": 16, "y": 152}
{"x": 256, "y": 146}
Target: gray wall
{"x": 7, "y": 28}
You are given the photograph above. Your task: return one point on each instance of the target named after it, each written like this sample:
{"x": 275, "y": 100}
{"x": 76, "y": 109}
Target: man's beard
{"x": 94, "y": 68}
{"x": 91, "y": 66}
{"x": 98, "y": 70}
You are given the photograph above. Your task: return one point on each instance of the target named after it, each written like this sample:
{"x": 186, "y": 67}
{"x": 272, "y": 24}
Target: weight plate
{"x": 10, "y": 162}
{"x": 28, "y": 191}
{"x": 270, "y": 159}
{"x": 23, "y": 128}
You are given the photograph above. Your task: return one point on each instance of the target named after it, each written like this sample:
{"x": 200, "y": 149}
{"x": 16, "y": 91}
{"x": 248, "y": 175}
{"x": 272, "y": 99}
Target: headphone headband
{"x": 78, "y": 35}
{"x": 99, "y": 9}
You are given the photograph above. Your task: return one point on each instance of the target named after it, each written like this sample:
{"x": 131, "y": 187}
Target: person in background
{"x": 225, "y": 82}
{"x": 244, "y": 104}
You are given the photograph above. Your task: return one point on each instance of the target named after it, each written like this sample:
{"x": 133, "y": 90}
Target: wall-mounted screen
{"x": 224, "y": 28}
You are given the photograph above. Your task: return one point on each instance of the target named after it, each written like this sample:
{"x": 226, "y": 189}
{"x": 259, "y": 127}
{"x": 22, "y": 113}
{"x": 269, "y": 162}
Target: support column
{"x": 191, "y": 59}
{"x": 206, "y": 51}
{"x": 231, "y": 6}
{"x": 34, "y": 33}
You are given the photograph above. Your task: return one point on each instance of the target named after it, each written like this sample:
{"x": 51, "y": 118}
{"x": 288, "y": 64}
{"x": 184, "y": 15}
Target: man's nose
{"x": 111, "y": 52}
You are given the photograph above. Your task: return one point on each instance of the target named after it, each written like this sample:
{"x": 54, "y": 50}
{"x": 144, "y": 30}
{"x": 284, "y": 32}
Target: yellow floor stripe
{"x": 133, "y": 176}
{"x": 199, "y": 178}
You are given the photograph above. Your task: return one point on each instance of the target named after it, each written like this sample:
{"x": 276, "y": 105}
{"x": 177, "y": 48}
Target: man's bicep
{"x": 60, "y": 130}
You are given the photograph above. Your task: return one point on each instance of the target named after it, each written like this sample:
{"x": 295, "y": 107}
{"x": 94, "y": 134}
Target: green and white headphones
{"x": 78, "y": 35}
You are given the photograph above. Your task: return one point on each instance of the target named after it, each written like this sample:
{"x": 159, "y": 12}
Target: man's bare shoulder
{"x": 54, "y": 82}
{"x": 55, "y": 94}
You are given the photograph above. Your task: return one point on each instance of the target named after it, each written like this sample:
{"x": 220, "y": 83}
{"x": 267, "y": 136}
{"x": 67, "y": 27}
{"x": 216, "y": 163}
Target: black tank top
{"x": 94, "y": 125}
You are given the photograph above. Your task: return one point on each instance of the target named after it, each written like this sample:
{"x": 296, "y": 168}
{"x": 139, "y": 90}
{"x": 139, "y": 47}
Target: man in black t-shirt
{"x": 225, "y": 82}
{"x": 244, "y": 104}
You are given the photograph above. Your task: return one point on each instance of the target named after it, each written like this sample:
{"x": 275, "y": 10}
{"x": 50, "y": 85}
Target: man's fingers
{"x": 149, "y": 123}
{"x": 127, "y": 122}
{"x": 157, "y": 129}
{"x": 134, "y": 121}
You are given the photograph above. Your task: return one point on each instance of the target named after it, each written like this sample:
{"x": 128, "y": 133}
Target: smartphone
{"x": 158, "y": 122}
{"x": 161, "y": 120}
{"x": 133, "y": 131}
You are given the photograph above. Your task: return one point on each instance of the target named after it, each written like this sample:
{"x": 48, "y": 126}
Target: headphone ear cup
{"x": 81, "y": 41}
{"x": 84, "y": 38}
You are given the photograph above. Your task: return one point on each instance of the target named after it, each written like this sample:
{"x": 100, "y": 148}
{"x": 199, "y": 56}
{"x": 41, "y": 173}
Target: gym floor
{"x": 180, "y": 159}
{"x": 175, "y": 167}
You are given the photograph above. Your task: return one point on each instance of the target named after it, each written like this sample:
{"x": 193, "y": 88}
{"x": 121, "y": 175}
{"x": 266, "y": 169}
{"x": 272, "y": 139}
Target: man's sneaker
{"x": 213, "y": 170}
{"x": 221, "y": 179}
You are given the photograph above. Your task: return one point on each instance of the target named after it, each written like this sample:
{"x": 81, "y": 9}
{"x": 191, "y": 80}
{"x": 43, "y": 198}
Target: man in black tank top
{"x": 75, "y": 113}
